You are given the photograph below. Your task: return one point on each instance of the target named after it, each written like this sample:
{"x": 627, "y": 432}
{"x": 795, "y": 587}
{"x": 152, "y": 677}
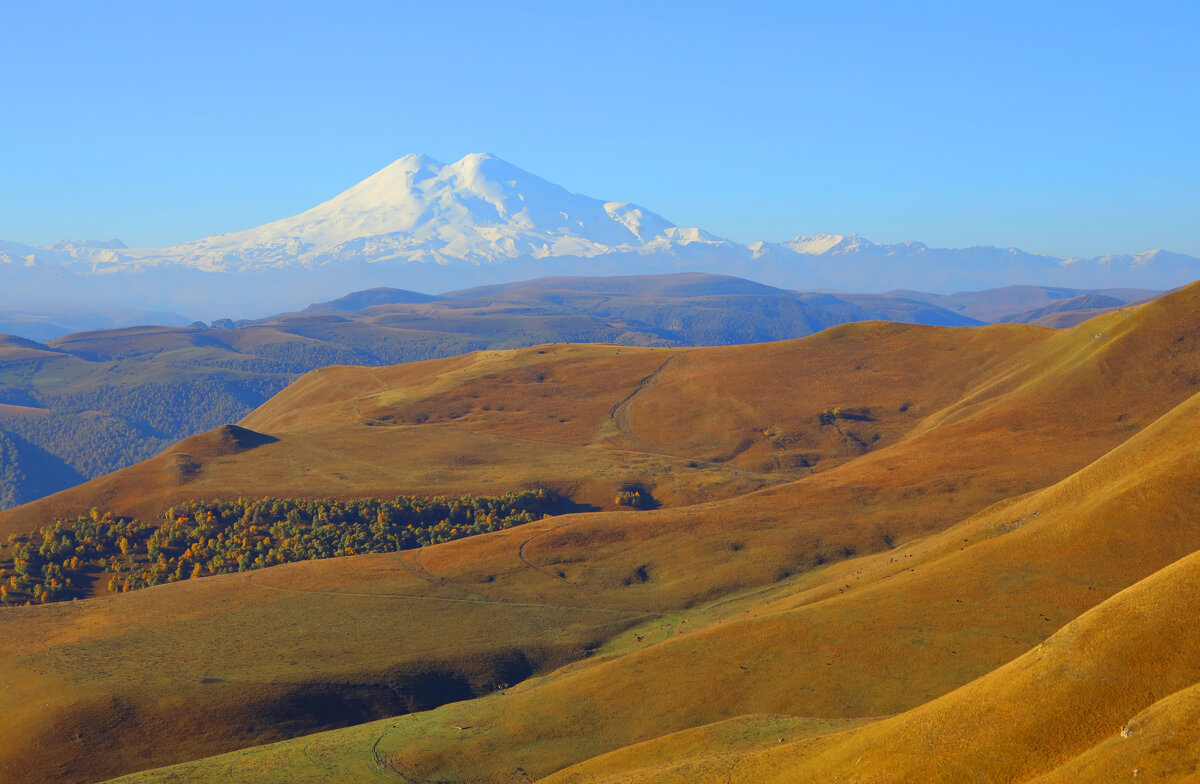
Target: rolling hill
{"x": 863, "y": 536}
{"x": 109, "y": 398}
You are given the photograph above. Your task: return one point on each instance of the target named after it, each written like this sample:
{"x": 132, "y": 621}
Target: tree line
{"x": 66, "y": 559}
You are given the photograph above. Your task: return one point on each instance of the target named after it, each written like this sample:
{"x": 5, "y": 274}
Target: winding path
{"x": 620, "y": 412}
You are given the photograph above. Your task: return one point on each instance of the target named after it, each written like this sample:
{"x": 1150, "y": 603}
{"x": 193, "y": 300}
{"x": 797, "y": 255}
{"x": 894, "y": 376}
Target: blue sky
{"x": 1064, "y": 128}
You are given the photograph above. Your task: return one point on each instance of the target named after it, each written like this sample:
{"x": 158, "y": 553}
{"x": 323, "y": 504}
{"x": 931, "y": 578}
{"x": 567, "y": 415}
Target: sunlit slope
{"x": 1077, "y": 690}
{"x": 1016, "y": 588}
{"x": 709, "y": 405}
{"x": 863, "y": 638}
{"x": 883, "y": 633}
{"x": 569, "y": 417}
{"x": 936, "y": 613}
{"x": 880, "y": 635}
{"x": 330, "y": 448}
{"x": 1112, "y": 696}
{"x": 586, "y": 419}
{"x": 1161, "y": 742}
{"x": 1035, "y": 425}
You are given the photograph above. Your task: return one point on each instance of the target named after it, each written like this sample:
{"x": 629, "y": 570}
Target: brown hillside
{"x": 128, "y": 341}
{"x": 562, "y": 416}
{"x": 1069, "y": 318}
{"x": 16, "y": 349}
{"x": 1003, "y": 579}
{"x": 970, "y": 598}
{"x": 884, "y": 573}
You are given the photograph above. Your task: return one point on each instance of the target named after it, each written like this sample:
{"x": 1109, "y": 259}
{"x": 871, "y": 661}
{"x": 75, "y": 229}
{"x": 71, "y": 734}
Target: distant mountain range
{"x": 426, "y": 225}
{"x": 50, "y": 322}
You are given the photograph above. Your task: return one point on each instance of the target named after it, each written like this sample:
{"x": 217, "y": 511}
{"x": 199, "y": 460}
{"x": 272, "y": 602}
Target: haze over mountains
{"x": 424, "y": 225}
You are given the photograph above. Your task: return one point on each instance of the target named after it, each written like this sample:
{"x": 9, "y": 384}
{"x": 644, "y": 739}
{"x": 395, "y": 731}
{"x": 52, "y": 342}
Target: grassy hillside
{"x": 862, "y": 523}
{"x": 1099, "y": 665}
{"x": 113, "y": 397}
{"x": 1042, "y": 561}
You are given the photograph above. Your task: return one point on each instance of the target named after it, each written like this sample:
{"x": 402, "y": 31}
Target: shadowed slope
{"x": 92, "y": 689}
{"x": 26, "y": 471}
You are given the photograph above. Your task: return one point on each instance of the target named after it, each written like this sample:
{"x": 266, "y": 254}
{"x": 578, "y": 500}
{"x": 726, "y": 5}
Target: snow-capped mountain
{"x": 422, "y": 224}
{"x": 836, "y": 258}
{"x": 479, "y": 209}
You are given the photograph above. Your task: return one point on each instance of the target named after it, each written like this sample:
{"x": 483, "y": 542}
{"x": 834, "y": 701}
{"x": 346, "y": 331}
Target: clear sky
{"x": 1063, "y": 128}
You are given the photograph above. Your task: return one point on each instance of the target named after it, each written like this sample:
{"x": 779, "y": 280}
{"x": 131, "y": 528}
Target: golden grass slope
{"x": 560, "y": 416}
{"x": 94, "y": 688}
{"x": 867, "y": 588}
{"x": 1110, "y": 697}
{"x": 1063, "y": 549}
{"x": 1039, "y": 562}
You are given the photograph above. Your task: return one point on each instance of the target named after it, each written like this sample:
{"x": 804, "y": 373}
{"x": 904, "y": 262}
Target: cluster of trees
{"x": 352, "y": 344}
{"x": 201, "y": 538}
{"x": 197, "y": 402}
{"x": 635, "y": 495}
{"x": 54, "y": 563}
{"x": 12, "y": 477}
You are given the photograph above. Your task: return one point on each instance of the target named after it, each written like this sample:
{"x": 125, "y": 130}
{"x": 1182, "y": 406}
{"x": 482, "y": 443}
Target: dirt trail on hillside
{"x": 620, "y": 412}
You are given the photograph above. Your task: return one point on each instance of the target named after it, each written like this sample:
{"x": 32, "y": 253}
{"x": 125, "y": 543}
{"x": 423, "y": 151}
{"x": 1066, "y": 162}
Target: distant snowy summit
{"x": 479, "y": 209}
{"x": 483, "y": 219}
